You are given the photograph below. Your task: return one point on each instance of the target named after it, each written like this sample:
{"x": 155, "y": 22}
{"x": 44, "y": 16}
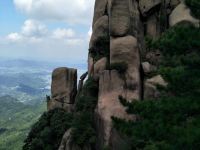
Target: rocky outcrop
{"x": 157, "y": 80}
{"x": 63, "y": 89}
{"x": 100, "y": 31}
{"x": 100, "y": 9}
{"x": 110, "y": 87}
{"x": 124, "y": 23}
{"x": 146, "y": 6}
{"x": 182, "y": 14}
{"x": 148, "y": 68}
{"x": 125, "y": 50}
{"x": 120, "y": 18}
{"x": 99, "y": 67}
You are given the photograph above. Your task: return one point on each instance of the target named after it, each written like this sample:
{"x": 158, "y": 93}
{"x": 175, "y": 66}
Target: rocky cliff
{"x": 121, "y": 65}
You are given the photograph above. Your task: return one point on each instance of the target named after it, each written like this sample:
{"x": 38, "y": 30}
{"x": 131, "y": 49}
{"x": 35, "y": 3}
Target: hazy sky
{"x": 45, "y": 29}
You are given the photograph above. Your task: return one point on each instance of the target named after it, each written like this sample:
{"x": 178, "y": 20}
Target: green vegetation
{"x": 166, "y": 124}
{"x": 194, "y": 6}
{"x": 47, "y": 133}
{"x": 121, "y": 67}
{"x": 16, "y": 120}
{"x": 101, "y": 48}
{"x": 181, "y": 39}
{"x": 172, "y": 122}
{"x": 83, "y": 133}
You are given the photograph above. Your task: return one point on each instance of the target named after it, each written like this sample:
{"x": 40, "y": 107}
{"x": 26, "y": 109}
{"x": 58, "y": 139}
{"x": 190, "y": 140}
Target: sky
{"x": 48, "y": 30}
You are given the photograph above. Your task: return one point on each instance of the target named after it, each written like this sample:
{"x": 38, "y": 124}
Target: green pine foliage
{"x": 47, "y": 133}
{"x": 172, "y": 122}
{"x": 83, "y": 133}
{"x": 180, "y": 39}
{"x": 166, "y": 124}
{"x": 194, "y": 6}
{"x": 101, "y": 48}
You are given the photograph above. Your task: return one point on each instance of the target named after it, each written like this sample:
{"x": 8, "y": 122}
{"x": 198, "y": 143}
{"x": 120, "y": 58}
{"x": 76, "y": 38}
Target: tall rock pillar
{"x": 63, "y": 89}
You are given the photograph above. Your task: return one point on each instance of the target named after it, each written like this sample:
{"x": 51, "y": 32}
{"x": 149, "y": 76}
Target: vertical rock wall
{"x": 119, "y": 28}
{"x": 127, "y": 22}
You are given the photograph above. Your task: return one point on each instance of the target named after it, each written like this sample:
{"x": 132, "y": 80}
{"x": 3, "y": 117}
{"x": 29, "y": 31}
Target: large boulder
{"x": 148, "y": 68}
{"x": 100, "y": 30}
{"x": 63, "y": 88}
{"x": 100, "y": 66}
{"x": 157, "y": 80}
{"x": 99, "y": 9}
{"x": 182, "y": 14}
{"x": 119, "y": 18}
{"x": 125, "y": 50}
{"x": 111, "y": 86}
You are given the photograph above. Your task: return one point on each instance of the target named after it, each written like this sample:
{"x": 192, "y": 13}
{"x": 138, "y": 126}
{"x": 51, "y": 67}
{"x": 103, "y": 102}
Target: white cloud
{"x": 14, "y": 37}
{"x": 34, "y": 28}
{"x": 76, "y": 11}
{"x": 36, "y": 41}
{"x": 63, "y": 33}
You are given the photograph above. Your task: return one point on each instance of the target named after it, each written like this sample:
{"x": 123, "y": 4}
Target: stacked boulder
{"x": 118, "y": 59}
{"x": 63, "y": 89}
{"x": 119, "y": 19}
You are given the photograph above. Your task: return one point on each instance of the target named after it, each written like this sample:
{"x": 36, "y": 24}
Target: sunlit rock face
{"x": 116, "y": 52}
{"x": 63, "y": 89}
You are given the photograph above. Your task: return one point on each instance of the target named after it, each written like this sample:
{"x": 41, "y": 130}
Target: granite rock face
{"x": 100, "y": 66}
{"x": 120, "y": 18}
{"x": 124, "y": 23}
{"x": 146, "y": 6}
{"x": 110, "y": 87}
{"x": 100, "y": 30}
{"x": 125, "y": 50}
{"x": 100, "y": 9}
{"x": 63, "y": 88}
{"x": 182, "y": 14}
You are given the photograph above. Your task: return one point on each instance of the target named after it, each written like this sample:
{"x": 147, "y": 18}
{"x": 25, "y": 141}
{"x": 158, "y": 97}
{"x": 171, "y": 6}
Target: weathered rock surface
{"x": 153, "y": 26}
{"x": 100, "y": 9}
{"x": 150, "y": 91}
{"x": 100, "y": 66}
{"x": 63, "y": 88}
{"x": 147, "y": 5}
{"x": 67, "y": 144}
{"x": 100, "y": 30}
{"x": 182, "y": 14}
{"x": 119, "y": 18}
{"x": 125, "y": 49}
{"x": 110, "y": 87}
{"x": 157, "y": 80}
{"x": 148, "y": 68}
{"x": 90, "y": 66}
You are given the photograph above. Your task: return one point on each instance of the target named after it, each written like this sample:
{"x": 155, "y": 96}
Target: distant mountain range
{"x": 29, "y": 80}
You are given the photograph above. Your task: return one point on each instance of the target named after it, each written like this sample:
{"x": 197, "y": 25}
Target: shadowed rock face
{"x": 146, "y": 5}
{"x": 63, "y": 88}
